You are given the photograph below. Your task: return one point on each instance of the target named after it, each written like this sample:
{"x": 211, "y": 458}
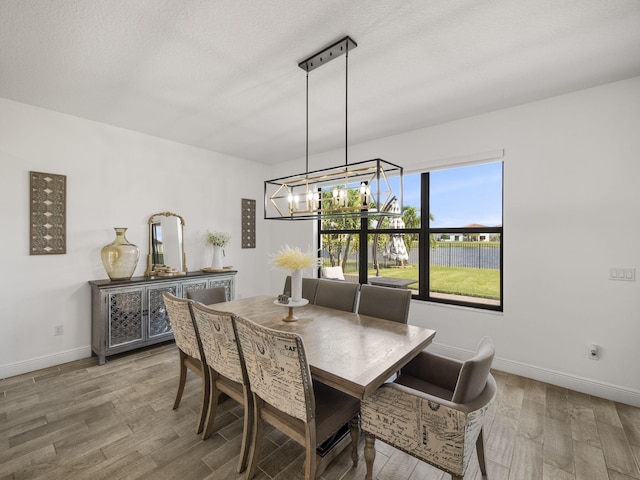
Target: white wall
{"x": 571, "y": 211}
{"x": 115, "y": 178}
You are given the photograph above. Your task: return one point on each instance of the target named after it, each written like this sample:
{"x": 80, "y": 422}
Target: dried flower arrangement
{"x": 292, "y": 258}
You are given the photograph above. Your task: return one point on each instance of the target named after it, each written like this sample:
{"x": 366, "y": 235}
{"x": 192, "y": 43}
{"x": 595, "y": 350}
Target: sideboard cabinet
{"x": 130, "y": 314}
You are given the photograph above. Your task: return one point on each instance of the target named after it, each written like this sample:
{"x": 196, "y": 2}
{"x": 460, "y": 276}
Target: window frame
{"x": 424, "y": 235}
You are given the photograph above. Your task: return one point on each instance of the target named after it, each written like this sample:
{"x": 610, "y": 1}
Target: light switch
{"x": 624, "y": 274}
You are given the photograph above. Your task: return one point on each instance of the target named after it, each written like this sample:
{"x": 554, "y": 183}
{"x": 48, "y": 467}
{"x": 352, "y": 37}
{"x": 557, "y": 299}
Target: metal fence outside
{"x": 445, "y": 254}
{"x": 460, "y": 254}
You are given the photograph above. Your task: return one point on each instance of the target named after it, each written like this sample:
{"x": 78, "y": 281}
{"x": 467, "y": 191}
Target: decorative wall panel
{"x": 48, "y": 213}
{"x": 248, "y": 223}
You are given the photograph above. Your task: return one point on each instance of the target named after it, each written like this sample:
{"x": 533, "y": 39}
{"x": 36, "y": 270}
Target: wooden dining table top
{"x": 350, "y": 352}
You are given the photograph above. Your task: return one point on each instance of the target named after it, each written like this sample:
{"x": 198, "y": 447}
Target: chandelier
{"x": 362, "y": 189}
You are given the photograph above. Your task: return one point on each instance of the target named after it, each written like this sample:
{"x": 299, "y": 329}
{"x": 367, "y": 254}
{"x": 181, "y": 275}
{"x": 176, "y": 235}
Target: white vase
{"x": 296, "y": 285}
{"x": 216, "y": 263}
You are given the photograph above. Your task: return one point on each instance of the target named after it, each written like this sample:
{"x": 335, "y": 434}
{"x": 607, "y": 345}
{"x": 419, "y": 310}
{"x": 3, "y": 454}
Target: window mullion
{"x": 363, "y": 271}
{"x": 424, "y": 240}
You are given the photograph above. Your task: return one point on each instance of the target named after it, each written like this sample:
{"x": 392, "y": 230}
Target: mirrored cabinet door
{"x": 157, "y": 317}
{"x": 125, "y": 317}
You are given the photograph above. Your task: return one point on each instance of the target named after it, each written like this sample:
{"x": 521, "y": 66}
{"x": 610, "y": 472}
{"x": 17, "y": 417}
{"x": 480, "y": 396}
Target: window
{"x": 452, "y": 255}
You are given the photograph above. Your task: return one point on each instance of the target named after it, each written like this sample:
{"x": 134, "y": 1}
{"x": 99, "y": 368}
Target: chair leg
{"x": 247, "y": 430}
{"x": 256, "y": 438}
{"x": 212, "y": 407}
{"x": 369, "y": 454}
{"x": 480, "y": 452}
{"x": 310, "y": 463}
{"x": 354, "y": 430}
{"x": 181, "y": 381}
{"x": 204, "y": 398}
{"x": 311, "y": 459}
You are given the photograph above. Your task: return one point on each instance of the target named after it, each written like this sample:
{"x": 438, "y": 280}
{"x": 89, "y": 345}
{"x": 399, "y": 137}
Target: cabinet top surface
{"x": 174, "y": 278}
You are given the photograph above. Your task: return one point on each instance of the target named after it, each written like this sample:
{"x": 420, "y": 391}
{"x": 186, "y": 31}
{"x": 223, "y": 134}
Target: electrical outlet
{"x": 57, "y": 330}
{"x": 594, "y": 352}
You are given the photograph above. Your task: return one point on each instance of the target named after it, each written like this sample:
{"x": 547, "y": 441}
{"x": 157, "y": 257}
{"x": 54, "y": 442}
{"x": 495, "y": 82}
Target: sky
{"x": 461, "y": 196}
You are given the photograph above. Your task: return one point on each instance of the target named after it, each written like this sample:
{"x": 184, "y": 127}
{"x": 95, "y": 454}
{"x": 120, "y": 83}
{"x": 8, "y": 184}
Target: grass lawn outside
{"x": 472, "y": 282}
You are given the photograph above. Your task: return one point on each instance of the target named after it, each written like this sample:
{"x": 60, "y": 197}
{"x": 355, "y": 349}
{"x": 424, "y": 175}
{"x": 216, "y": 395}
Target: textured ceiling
{"x": 223, "y": 75}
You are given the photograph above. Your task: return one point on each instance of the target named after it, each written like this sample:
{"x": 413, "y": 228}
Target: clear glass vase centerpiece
{"x": 120, "y": 257}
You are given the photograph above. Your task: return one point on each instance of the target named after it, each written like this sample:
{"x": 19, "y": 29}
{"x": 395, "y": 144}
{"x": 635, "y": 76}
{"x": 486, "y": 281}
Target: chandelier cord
{"x": 346, "y": 108}
{"x": 307, "y": 133}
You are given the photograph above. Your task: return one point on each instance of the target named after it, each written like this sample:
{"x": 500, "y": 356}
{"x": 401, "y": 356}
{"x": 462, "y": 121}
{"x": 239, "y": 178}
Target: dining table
{"x": 350, "y": 352}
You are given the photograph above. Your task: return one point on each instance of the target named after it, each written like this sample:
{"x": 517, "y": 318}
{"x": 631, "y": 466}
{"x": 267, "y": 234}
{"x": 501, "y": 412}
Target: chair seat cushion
{"x": 333, "y": 410}
{"x": 423, "y": 386}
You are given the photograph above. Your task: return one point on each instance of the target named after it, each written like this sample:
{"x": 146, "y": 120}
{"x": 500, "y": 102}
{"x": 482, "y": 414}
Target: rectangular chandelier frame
{"x": 361, "y": 188}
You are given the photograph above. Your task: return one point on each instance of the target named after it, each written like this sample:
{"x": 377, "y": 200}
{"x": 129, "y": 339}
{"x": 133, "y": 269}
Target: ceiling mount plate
{"x": 334, "y": 51}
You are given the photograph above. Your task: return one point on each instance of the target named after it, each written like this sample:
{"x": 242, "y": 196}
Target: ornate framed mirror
{"x": 166, "y": 245}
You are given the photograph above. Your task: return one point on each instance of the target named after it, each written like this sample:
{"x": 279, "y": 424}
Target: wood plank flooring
{"x": 83, "y": 421}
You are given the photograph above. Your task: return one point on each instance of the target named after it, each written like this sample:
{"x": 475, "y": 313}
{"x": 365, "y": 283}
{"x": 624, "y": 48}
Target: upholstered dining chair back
{"x": 385, "y": 302}
{"x": 434, "y": 410}
{"x": 182, "y": 325}
{"x": 277, "y": 368}
{"x": 208, "y": 296}
{"x": 337, "y": 294}
{"x": 218, "y": 339}
{"x": 309, "y": 287}
{"x": 190, "y": 350}
{"x": 226, "y": 370}
{"x": 474, "y": 372}
{"x": 285, "y": 396}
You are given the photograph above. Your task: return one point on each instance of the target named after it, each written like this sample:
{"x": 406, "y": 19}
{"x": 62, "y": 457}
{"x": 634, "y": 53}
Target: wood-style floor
{"x": 84, "y": 421}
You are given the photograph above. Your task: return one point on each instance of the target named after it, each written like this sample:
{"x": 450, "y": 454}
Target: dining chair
{"x": 225, "y": 369}
{"x": 208, "y": 296}
{"x": 309, "y": 287}
{"x": 332, "y": 273}
{"x": 385, "y": 302}
{"x": 337, "y": 294}
{"x": 286, "y": 397}
{"x": 189, "y": 348}
{"x": 434, "y": 410}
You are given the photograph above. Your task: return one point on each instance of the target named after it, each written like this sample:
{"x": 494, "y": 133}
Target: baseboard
{"x": 579, "y": 384}
{"x": 46, "y": 361}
